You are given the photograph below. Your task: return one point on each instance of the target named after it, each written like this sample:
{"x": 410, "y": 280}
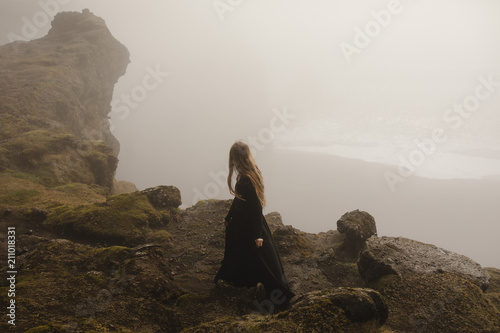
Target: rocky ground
{"x": 152, "y": 269}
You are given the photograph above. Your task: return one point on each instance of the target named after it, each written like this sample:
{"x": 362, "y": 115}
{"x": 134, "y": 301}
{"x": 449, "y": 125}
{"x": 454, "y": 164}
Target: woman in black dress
{"x": 250, "y": 255}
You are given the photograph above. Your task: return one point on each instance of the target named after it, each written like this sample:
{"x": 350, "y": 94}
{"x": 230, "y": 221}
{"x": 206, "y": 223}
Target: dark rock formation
{"x": 338, "y": 310}
{"x": 445, "y": 302}
{"x": 388, "y": 255}
{"x": 358, "y": 226}
{"x": 358, "y": 304}
{"x": 55, "y": 95}
{"x": 69, "y": 287}
{"x": 164, "y": 197}
{"x": 125, "y": 219}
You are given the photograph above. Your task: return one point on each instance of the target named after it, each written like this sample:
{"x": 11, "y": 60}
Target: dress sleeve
{"x": 230, "y": 212}
{"x": 252, "y": 208}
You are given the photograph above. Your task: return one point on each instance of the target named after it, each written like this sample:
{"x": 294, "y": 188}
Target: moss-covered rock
{"x": 445, "y": 302}
{"x": 341, "y": 310}
{"x": 55, "y": 99}
{"x": 68, "y": 287}
{"x": 122, "y": 220}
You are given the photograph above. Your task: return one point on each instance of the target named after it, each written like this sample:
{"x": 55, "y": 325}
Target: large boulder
{"x": 358, "y": 226}
{"x": 388, "y": 255}
{"x": 445, "y": 302}
{"x": 337, "y": 310}
{"x": 359, "y": 304}
{"x": 163, "y": 197}
{"x": 125, "y": 219}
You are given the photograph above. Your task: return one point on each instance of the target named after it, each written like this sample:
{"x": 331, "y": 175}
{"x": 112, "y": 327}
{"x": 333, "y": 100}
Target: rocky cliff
{"x": 134, "y": 262}
{"x": 55, "y": 95}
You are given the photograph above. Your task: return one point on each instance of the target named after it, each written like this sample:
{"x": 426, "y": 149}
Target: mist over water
{"x": 200, "y": 79}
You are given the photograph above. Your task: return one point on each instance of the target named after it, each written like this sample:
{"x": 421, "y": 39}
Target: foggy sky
{"x": 229, "y": 72}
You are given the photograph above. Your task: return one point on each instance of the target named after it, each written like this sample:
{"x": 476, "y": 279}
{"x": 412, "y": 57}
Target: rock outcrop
{"x": 358, "y": 226}
{"x": 164, "y": 197}
{"x": 445, "y": 302}
{"x": 55, "y": 95}
{"x": 389, "y": 255}
{"x": 128, "y": 219}
{"x": 338, "y": 310}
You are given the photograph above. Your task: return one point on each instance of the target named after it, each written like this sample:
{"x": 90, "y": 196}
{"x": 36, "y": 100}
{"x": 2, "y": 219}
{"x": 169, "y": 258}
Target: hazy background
{"x": 229, "y": 74}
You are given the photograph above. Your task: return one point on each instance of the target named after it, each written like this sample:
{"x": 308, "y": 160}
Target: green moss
{"x": 19, "y": 197}
{"x": 123, "y": 219}
{"x": 102, "y": 163}
{"x": 159, "y": 237}
{"x": 38, "y": 142}
{"x": 22, "y": 175}
{"x": 113, "y": 253}
{"x": 76, "y": 188}
{"x": 350, "y": 268}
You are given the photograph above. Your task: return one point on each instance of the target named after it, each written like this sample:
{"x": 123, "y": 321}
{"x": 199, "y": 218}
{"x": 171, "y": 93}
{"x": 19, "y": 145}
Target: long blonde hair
{"x": 241, "y": 160}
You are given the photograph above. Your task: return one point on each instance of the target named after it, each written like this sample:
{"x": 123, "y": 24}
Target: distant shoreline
{"x": 312, "y": 190}
{"x": 463, "y": 164}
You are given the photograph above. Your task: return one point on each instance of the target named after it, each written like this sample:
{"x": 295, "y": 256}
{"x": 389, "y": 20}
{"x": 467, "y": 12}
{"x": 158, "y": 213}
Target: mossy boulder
{"x": 26, "y": 190}
{"x": 445, "y": 302}
{"x": 124, "y": 219}
{"x": 164, "y": 197}
{"x": 340, "y": 310}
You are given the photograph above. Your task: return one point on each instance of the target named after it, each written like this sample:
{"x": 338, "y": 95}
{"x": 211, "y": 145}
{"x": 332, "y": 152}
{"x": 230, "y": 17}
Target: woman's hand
{"x": 259, "y": 242}
{"x": 225, "y": 222}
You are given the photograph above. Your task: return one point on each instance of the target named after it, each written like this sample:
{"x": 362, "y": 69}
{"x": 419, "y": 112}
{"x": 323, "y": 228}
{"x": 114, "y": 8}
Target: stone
{"x": 389, "y": 255}
{"x": 359, "y": 304}
{"x": 163, "y": 197}
{"x": 274, "y": 221}
{"x": 357, "y": 226}
{"x": 38, "y": 215}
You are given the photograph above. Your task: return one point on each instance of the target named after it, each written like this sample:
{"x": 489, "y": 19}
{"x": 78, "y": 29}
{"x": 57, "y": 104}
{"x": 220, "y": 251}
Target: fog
{"x": 333, "y": 96}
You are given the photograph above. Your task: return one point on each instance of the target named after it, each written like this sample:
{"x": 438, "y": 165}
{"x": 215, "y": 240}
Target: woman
{"x": 250, "y": 255}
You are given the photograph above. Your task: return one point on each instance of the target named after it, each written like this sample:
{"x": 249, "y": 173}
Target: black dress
{"x": 245, "y": 265}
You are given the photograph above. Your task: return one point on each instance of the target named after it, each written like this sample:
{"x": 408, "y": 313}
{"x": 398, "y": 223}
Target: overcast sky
{"x": 233, "y": 66}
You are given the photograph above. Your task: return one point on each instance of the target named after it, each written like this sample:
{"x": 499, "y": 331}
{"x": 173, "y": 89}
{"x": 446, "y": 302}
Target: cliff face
{"x": 55, "y": 95}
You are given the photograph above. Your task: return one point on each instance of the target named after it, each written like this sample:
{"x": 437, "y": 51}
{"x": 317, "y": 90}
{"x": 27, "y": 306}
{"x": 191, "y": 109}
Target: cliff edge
{"x": 55, "y": 95}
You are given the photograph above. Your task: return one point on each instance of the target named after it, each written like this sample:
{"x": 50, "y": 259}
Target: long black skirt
{"x": 245, "y": 265}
